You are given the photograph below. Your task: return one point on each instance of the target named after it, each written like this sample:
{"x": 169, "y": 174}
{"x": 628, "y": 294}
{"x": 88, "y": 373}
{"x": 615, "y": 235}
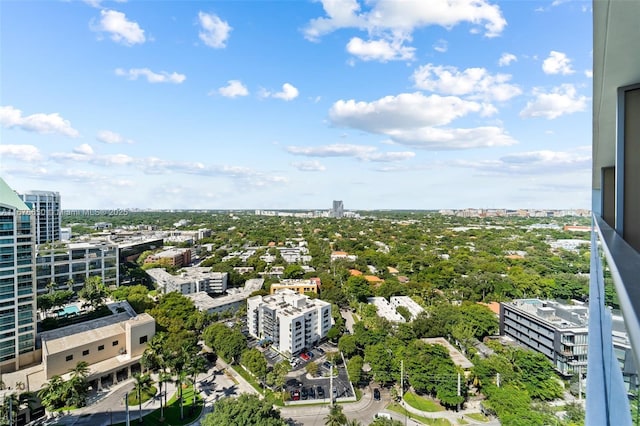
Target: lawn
{"x": 171, "y": 412}
{"x": 422, "y": 404}
{"x": 478, "y": 417}
{"x": 133, "y": 396}
{"x": 431, "y": 422}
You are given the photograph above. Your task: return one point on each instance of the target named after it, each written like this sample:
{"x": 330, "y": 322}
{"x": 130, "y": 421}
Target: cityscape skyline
{"x": 252, "y": 105}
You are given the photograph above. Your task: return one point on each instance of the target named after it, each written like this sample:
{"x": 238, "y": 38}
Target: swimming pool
{"x": 68, "y": 310}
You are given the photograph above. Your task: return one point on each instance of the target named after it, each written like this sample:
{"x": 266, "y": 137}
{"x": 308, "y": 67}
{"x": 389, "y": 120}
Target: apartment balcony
{"x": 607, "y": 399}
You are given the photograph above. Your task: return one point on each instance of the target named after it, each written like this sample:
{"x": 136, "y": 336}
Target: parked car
{"x": 326, "y": 365}
{"x": 295, "y": 395}
{"x": 376, "y": 394}
{"x": 320, "y": 392}
{"x": 320, "y": 351}
{"x": 304, "y": 394}
{"x": 310, "y": 354}
{"x": 304, "y": 356}
{"x": 312, "y": 393}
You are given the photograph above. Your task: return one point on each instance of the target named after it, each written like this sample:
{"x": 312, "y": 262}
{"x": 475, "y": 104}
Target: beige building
{"x": 312, "y": 285}
{"x": 110, "y": 345}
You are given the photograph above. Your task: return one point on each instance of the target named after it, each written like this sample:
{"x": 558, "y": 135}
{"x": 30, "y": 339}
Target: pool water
{"x": 68, "y": 310}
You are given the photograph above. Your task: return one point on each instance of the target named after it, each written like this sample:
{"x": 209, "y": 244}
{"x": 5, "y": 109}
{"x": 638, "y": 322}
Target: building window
{"x": 114, "y": 343}
{"x": 69, "y": 358}
{"x": 85, "y": 352}
{"x": 101, "y": 347}
{"x": 143, "y": 339}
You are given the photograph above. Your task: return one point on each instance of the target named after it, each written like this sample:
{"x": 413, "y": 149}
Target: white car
{"x": 382, "y": 415}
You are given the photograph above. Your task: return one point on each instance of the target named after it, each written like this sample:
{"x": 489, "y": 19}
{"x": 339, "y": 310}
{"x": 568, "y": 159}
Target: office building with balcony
{"x": 45, "y": 206}
{"x": 291, "y": 321}
{"x": 615, "y": 203}
{"x": 68, "y": 265}
{"x": 337, "y": 209}
{"x": 17, "y": 283}
{"x": 555, "y": 330}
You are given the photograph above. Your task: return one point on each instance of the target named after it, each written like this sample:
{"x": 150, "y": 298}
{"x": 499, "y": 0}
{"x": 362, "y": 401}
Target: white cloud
{"x": 404, "y": 110}
{"x": 122, "y": 30}
{"x": 380, "y": 50}
{"x": 288, "y": 93}
{"x": 475, "y": 82}
{"x": 435, "y": 138}
{"x": 28, "y": 153}
{"x": 309, "y": 166}
{"x": 361, "y": 152}
{"x": 107, "y": 136}
{"x": 441, "y": 46}
{"x": 84, "y": 149}
{"x": 152, "y": 77}
{"x": 535, "y": 162}
{"x": 402, "y": 17}
{"x": 506, "y": 59}
{"x": 557, "y": 63}
{"x": 588, "y": 73}
{"x": 233, "y": 89}
{"x": 39, "y": 123}
{"x": 562, "y": 100}
{"x": 215, "y": 31}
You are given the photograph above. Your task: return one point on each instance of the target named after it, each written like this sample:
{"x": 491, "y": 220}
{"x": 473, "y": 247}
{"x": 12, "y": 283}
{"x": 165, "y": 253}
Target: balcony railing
{"x": 607, "y": 400}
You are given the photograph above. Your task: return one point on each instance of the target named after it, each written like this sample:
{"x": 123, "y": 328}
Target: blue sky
{"x": 384, "y": 104}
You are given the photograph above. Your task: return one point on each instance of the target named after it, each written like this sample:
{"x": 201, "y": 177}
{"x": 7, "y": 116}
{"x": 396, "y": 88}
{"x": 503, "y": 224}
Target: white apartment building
{"x": 385, "y": 309}
{"x": 62, "y": 263}
{"x": 45, "y": 206}
{"x": 291, "y": 321}
{"x": 17, "y": 284}
{"x": 413, "y": 308}
{"x": 190, "y": 280}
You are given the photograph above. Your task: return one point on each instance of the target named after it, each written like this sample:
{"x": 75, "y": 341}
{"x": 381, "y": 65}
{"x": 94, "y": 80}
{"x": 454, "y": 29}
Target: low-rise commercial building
{"x": 312, "y": 285}
{"x": 231, "y": 302}
{"x": 291, "y": 321}
{"x": 173, "y": 256}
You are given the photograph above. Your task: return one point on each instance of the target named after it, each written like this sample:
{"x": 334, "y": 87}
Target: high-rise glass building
{"x": 46, "y": 208}
{"x": 17, "y": 284}
{"x": 338, "y": 209}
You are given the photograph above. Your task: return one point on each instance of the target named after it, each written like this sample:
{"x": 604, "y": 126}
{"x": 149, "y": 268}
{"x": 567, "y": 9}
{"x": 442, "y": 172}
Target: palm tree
{"x": 181, "y": 379}
{"x": 142, "y": 385}
{"x": 153, "y": 357}
{"x": 52, "y": 392}
{"x": 196, "y": 366}
{"x": 163, "y": 377}
{"x": 81, "y": 370}
{"x": 353, "y": 422}
{"x": 77, "y": 387}
{"x": 335, "y": 417}
{"x": 9, "y": 409}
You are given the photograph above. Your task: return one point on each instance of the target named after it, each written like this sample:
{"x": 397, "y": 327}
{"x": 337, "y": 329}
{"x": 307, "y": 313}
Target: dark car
{"x": 326, "y": 364}
{"x": 312, "y": 393}
{"x": 295, "y": 395}
{"x": 320, "y": 351}
{"x": 310, "y": 354}
{"x": 303, "y": 393}
{"x": 376, "y": 394}
{"x": 320, "y": 392}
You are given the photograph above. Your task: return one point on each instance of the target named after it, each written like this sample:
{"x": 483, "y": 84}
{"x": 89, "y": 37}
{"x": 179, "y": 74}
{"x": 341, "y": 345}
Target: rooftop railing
{"x": 607, "y": 399}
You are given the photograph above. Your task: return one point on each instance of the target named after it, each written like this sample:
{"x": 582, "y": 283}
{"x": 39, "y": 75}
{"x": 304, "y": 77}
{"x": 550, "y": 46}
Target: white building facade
{"x": 45, "y": 206}
{"x": 291, "y": 321}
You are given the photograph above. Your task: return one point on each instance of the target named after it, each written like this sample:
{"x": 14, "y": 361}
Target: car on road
{"x": 303, "y": 393}
{"x": 295, "y": 395}
{"x": 320, "y": 392}
{"x": 376, "y": 394}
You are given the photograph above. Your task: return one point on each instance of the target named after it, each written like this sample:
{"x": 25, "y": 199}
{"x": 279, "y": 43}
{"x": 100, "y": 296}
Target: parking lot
{"x": 301, "y": 386}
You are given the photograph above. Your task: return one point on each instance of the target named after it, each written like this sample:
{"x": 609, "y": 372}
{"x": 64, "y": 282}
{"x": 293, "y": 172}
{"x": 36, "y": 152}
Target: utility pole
{"x": 459, "y": 393}
{"x": 498, "y": 379}
{"x": 10, "y": 410}
{"x": 331, "y": 383}
{"x": 579, "y": 383}
{"x": 402, "y": 390}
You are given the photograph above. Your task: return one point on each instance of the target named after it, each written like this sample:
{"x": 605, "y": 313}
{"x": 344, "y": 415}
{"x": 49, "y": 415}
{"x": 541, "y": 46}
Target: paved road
{"x": 348, "y": 319}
